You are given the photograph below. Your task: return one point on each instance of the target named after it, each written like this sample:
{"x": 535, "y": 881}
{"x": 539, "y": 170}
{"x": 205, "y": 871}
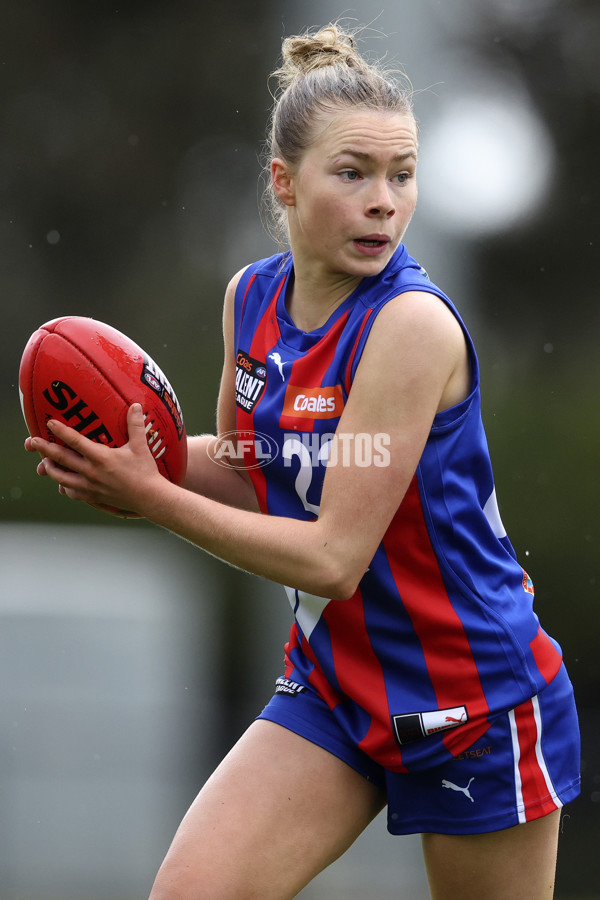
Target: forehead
{"x": 367, "y": 131}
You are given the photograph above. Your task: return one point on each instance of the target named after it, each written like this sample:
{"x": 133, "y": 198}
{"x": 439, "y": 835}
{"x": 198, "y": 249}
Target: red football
{"x": 88, "y": 374}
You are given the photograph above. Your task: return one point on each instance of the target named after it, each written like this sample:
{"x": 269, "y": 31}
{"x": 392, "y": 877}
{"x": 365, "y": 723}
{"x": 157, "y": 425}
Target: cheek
{"x": 413, "y": 197}
{"x": 410, "y": 208}
{"x": 322, "y": 215}
{"x": 332, "y": 210}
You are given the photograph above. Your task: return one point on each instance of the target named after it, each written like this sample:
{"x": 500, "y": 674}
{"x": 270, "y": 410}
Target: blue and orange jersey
{"x": 441, "y": 634}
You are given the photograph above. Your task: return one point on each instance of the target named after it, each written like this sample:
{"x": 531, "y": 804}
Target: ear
{"x": 282, "y": 182}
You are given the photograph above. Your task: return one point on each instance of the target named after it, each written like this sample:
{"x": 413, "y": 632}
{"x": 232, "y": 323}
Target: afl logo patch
{"x": 152, "y": 381}
{"x": 250, "y": 381}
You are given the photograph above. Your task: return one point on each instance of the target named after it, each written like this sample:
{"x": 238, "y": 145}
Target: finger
{"x": 73, "y": 485}
{"x": 71, "y": 438}
{"x": 64, "y": 477}
{"x": 36, "y": 445}
{"x": 136, "y": 427}
{"x": 69, "y": 484}
{"x": 62, "y": 455}
{"x": 32, "y": 446}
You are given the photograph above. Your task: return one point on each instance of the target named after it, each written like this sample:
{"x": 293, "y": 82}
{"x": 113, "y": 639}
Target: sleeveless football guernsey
{"x": 440, "y": 636}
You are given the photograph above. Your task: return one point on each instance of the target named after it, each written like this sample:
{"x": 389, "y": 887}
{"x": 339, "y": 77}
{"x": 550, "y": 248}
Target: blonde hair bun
{"x": 310, "y": 51}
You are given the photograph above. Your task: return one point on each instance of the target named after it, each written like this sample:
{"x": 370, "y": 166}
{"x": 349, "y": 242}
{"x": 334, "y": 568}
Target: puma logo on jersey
{"x": 276, "y": 357}
{"x": 456, "y": 787}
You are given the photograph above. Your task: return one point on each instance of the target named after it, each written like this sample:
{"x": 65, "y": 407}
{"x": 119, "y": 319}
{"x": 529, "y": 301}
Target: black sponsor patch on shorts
{"x": 413, "y": 726}
{"x": 291, "y": 688}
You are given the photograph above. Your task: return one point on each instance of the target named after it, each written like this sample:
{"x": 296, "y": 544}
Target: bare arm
{"x": 217, "y": 480}
{"x": 414, "y": 364}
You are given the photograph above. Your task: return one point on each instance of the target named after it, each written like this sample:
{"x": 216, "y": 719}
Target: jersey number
{"x": 307, "y": 608}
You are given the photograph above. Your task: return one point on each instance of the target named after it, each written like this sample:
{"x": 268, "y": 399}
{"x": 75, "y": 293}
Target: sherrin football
{"x": 87, "y": 374}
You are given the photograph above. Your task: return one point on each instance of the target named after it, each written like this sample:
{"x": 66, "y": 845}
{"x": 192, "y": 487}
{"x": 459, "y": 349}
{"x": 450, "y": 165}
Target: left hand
{"x": 108, "y": 478}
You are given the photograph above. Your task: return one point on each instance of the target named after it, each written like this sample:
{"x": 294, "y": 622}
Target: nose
{"x": 381, "y": 202}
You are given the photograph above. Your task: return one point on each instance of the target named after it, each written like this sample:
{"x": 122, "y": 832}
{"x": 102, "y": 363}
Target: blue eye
{"x": 349, "y": 175}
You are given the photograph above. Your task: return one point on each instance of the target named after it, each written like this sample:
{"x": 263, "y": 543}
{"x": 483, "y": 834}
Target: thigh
{"x": 516, "y": 864}
{"x": 276, "y": 812}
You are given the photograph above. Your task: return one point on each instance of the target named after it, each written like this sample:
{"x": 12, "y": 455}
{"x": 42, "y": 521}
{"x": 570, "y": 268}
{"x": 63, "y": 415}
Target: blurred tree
{"x": 552, "y": 290}
{"x": 102, "y": 108}
{"x": 541, "y": 318}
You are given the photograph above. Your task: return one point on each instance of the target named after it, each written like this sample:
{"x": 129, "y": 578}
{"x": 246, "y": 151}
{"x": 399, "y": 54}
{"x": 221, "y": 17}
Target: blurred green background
{"x": 129, "y": 177}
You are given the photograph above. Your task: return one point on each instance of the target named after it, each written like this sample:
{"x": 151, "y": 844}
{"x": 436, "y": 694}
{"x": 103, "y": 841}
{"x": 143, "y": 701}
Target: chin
{"x": 370, "y": 267}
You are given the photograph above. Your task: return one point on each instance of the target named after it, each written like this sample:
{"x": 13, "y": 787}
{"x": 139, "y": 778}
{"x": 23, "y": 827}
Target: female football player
{"x": 350, "y": 465}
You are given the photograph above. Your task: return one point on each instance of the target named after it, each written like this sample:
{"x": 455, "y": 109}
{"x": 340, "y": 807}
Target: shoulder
{"x": 420, "y": 318}
{"x": 405, "y": 292}
{"x": 417, "y": 343}
{"x": 269, "y": 267}
{"x": 234, "y": 282}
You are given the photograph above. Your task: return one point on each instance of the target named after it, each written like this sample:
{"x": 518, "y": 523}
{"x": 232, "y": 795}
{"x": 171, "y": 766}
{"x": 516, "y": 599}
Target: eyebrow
{"x": 359, "y": 154}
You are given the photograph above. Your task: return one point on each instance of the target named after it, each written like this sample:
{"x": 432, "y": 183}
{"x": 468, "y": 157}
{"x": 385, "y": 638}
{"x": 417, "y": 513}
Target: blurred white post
{"x": 106, "y": 634}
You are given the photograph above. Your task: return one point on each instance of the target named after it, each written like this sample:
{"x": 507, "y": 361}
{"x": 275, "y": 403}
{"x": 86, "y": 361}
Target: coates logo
{"x": 250, "y": 449}
{"x": 325, "y": 402}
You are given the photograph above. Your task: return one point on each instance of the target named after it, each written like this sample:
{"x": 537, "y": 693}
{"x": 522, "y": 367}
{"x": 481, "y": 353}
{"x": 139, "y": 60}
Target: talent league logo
{"x": 288, "y": 687}
{"x": 250, "y": 381}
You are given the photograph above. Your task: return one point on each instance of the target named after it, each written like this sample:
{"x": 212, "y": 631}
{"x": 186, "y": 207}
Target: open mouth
{"x": 372, "y": 245}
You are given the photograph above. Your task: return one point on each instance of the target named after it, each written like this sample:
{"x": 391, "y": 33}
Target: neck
{"x": 311, "y": 301}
